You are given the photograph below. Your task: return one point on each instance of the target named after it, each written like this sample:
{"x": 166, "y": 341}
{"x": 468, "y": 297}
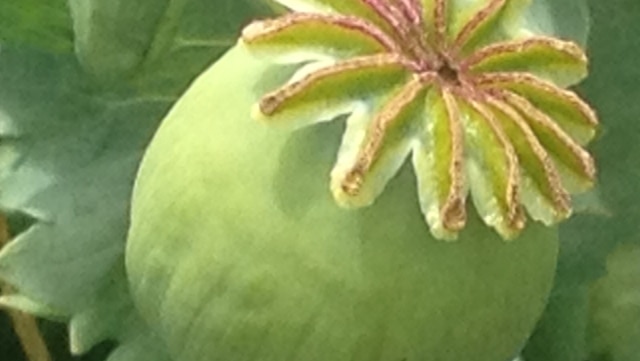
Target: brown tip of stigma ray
{"x": 274, "y": 101}
{"x": 559, "y": 197}
{"x": 483, "y": 15}
{"x": 453, "y": 211}
{"x": 515, "y": 217}
{"x": 583, "y": 158}
{"x": 352, "y": 182}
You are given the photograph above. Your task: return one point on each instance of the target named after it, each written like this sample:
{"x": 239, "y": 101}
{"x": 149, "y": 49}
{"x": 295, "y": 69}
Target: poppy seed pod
{"x": 237, "y": 250}
{"x": 250, "y": 242}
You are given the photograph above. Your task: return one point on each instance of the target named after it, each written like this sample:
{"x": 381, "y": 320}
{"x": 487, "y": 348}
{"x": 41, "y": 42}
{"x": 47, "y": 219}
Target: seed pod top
{"x": 480, "y": 106}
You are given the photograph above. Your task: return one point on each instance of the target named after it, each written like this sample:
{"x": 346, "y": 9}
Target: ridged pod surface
{"x": 238, "y": 252}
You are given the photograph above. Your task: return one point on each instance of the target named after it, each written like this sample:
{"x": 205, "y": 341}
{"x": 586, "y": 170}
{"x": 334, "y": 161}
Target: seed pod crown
{"x": 480, "y": 105}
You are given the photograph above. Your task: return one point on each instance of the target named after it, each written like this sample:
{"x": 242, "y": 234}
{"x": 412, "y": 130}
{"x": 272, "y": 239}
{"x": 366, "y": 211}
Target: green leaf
{"x": 113, "y": 37}
{"x": 75, "y": 154}
{"x": 155, "y": 42}
{"x": 114, "y": 317}
{"x": 70, "y": 150}
{"x": 45, "y": 25}
{"x": 568, "y": 19}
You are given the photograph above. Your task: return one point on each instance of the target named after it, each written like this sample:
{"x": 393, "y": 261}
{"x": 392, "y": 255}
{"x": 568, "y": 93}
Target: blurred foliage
{"x": 45, "y": 24}
{"x": 613, "y": 89}
{"x": 73, "y": 130}
{"x": 73, "y": 127}
{"x": 614, "y": 317}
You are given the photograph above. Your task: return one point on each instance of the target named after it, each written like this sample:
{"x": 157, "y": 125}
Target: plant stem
{"x": 24, "y": 325}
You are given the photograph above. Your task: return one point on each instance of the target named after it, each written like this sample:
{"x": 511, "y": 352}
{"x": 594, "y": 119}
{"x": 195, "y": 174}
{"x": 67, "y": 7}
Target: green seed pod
{"x": 250, "y": 241}
{"x": 237, "y": 250}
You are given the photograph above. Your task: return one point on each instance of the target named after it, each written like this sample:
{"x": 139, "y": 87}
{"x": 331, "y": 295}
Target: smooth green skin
{"x": 237, "y": 251}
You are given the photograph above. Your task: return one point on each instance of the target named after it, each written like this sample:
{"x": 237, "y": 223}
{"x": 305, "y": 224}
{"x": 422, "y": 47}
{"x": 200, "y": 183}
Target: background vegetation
{"x": 83, "y": 85}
